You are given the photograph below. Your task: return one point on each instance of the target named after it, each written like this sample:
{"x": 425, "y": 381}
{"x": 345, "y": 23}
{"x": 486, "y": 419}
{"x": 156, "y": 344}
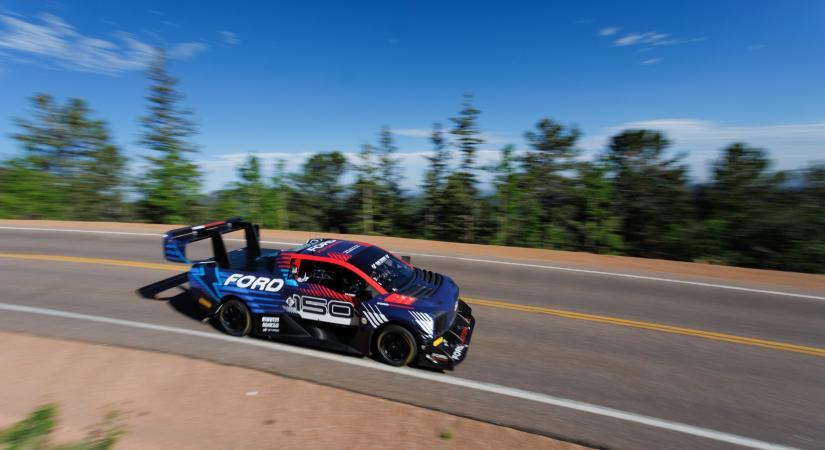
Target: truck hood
{"x": 435, "y": 294}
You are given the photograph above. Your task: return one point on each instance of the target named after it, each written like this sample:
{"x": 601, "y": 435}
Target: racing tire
{"x": 234, "y": 318}
{"x": 395, "y": 345}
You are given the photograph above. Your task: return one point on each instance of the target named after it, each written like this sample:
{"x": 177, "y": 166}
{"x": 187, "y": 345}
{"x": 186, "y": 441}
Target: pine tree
{"x": 461, "y": 208}
{"x": 75, "y": 154}
{"x": 651, "y": 195}
{"x": 226, "y": 203}
{"x": 29, "y": 193}
{"x": 99, "y": 167}
{"x": 252, "y": 190}
{"x": 434, "y": 180}
{"x": 318, "y": 199}
{"x": 505, "y": 183}
{"x": 806, "y": 250}
{"x": 365, "y": 188}
{"x": 516, "y": 206}
{"x": 600, "y": 227}
{"x": 741, "y": 209}
{"x": 467, "y": 136}
{"x": 280, "y": 196}
{"x": 45, "y": 138}
{"x": 389, "y": 195}
{"x": 170, "y": 188}
{"x": 550, "y": 175}
{"x": 461, "y": 192}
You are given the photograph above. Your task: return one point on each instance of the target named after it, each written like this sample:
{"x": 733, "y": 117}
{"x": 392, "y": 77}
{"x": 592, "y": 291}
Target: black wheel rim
{"x": 395, "y": 347}
{"x": 233, "y": 318}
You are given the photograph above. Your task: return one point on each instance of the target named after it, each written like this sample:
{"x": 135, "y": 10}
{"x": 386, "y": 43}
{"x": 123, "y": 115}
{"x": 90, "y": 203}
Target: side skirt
{"x": 283, "y": 327}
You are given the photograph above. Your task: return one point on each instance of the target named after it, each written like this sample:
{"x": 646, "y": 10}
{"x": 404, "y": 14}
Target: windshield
{"x": 380, "y": 265}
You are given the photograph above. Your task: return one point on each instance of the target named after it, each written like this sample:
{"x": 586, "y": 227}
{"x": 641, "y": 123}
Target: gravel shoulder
{"x": 168, "y": 401}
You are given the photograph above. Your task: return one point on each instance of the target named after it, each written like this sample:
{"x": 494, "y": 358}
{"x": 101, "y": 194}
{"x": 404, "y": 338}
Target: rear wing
{"x": 175, "y": 241}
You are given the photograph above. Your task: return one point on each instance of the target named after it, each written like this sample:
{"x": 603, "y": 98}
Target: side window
{"x": 317, "y": 273}
{"x": 335, "y": 277}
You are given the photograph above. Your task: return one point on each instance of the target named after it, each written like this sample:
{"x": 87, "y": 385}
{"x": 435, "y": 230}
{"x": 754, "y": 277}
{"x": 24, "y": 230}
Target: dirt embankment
{"x": 655, "y": 267}
{"x": 168, "y": 401}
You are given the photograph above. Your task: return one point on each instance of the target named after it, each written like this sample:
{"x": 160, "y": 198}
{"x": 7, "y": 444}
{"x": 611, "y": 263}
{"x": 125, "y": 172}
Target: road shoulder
{"x": 169, "y": 401}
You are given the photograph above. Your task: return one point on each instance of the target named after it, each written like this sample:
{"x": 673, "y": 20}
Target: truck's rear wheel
{"x": 395, "y": 345}
{"x": 235, "y": 318}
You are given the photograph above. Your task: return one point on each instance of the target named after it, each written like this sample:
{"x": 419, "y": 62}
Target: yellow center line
{"x": 743, "y": 340}
{"x": 101, "y": 261}
{"x": 815, "y": 351}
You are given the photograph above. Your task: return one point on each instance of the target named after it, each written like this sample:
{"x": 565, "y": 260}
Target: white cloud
{"x": 646, "y": 42}
{"x": 679, "y": 41}
{"x": 413, "y": 132}
{"x": 228, "y": 37}
{"x": 186, "y": 50}
{"x": 650, "y": 38}
{"x": 52, "y": 38}
{"x": 27, "y": 37}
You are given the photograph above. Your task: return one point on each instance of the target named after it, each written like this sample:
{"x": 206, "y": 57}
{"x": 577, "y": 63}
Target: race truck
{"x": 338, "y": 294}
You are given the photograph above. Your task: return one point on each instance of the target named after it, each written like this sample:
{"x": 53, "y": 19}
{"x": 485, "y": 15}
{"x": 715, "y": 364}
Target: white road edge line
{"x": 67, "y": 230}
{"x": 444, "y": 379}
{"x": 643, "y": 277}
{"x": 489, "y": 261}
{"x": 126, "y": 233}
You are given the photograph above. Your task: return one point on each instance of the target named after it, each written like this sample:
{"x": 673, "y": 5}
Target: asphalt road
{"x": 632, "y": 361}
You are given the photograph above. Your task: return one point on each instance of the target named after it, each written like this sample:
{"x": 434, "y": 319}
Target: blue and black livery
{"x": 340, "y": 294}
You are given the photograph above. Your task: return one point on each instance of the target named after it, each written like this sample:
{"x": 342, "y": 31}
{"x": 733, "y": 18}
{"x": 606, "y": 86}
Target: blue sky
{"x": 285, "y": 79}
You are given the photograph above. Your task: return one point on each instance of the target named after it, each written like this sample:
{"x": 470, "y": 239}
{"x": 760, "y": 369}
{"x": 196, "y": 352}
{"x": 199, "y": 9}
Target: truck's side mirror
{"x": 406, "y": 258}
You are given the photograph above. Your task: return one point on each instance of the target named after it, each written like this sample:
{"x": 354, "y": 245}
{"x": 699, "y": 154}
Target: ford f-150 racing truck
{"x": 339, "y": 294}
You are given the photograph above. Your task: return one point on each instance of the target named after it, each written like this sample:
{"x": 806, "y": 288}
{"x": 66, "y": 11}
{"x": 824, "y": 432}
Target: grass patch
{"x": 445, "y": 435}
{"x": 34, "y": 432}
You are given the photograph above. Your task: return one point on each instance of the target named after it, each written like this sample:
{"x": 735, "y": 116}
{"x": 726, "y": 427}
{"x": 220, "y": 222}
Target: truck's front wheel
{"x": 395, "y": 345}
